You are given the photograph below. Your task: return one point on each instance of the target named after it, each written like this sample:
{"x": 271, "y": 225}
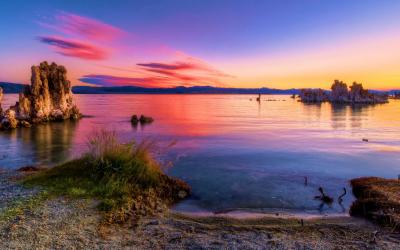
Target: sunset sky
{"x": 277, "y": 44}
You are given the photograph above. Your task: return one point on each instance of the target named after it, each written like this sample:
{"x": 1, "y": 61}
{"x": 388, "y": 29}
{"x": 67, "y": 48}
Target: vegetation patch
{"x": 378, "y": 199}
{"x": 124, "y": 177}
{"x": 18, "y": 206}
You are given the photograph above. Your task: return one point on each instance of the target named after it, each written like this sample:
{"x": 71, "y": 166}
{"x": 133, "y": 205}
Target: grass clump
{"x": 378, "y": 199}
{"x": 124, "y": 177}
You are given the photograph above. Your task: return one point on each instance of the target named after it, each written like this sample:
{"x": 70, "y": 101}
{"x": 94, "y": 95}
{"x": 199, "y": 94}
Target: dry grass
{"x": 377, "y": 199}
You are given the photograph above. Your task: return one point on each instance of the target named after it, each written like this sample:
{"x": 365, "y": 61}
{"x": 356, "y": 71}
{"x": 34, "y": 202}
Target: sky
{"x": 166, "y": 43}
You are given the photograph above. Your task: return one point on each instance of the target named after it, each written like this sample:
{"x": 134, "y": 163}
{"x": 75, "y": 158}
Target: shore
{"x": 76, "y": 223}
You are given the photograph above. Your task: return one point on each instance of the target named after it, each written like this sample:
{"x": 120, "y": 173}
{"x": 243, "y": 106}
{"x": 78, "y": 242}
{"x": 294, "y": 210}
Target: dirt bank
{"x": 378, "y": 199}
{"x": 74, "y": 224}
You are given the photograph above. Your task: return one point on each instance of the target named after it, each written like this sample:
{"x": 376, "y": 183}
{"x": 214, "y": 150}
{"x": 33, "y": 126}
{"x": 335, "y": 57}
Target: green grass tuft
{"x": 124, "y": 177}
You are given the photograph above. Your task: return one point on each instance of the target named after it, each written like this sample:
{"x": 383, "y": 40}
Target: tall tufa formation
{"x": 48, "y": 98}
{"x": 339, "y": 93}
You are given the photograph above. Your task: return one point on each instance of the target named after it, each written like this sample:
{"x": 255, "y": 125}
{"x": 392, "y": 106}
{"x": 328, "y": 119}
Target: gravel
{"x": 76, "y": 224}
{"x": 11, "y": 191}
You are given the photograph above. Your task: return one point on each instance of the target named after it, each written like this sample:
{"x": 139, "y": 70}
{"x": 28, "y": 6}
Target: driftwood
{"x": 340, "y": 199}
{"x": 323, "y": 197}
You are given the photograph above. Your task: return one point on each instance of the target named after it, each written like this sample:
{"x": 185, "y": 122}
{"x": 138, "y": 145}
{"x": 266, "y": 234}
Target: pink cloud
{"x": 87, "y": 32}
{"x": 189, "y": 70}
{"x": 170, "y": 66}
{"x": 110, "y": 80}
{"x": 73, "y": 48}
{"x": 80, "y": 26}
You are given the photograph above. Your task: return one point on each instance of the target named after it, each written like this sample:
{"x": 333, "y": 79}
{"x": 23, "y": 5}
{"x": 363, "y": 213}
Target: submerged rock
{"x": 142, "y": 120}
{"x": 48, "y": 98}
{"x": 134, "y": 119}
{"x": 340, "y": 93}
{"x": 30, "y": 168}
{"x": 146, "y": 119}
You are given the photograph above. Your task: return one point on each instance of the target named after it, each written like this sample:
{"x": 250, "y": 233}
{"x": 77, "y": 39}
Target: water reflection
{"x": 44, "y": 144}
{"x": 235, "y": 153}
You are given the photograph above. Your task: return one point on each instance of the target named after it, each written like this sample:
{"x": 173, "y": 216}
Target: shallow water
{"x": 237, "y": 154}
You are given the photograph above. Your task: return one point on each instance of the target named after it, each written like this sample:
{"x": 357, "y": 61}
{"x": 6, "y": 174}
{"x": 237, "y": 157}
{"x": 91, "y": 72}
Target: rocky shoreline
{"x": 76, "y": 223}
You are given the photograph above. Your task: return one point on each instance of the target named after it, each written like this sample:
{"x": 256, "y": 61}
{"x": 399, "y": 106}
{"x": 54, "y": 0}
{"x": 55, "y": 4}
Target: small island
{"x": 48, "y": 98}
{"x": 340, "y": 93}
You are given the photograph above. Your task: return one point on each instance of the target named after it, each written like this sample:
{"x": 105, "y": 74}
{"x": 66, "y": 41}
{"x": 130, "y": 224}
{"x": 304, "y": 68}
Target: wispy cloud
{"x": 84, "y": 27}
{"x": 81, "y": 36}
{"x": 90, "y": 39}
{"x": 110, "y": 81}
{"x": 166, "y": 66}
{"x": 186, "y": 72}
{"x": 68, "y": 47}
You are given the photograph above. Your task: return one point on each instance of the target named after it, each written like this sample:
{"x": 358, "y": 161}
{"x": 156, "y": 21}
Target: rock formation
{"x": 313, "y": 95}
{"x": 48, "y": 98}
{"x": 1, "y": 98}
{"x": 341, "y": 94}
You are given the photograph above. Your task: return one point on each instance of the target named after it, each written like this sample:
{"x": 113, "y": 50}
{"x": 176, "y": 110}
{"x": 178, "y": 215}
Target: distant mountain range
{"x": 16, "y": 88}
{"x": 11, "y": 88}
{"x": 179, "y": 90}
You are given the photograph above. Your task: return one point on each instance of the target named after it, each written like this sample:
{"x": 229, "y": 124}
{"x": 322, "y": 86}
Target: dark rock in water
{"x": 341, "y": 94}
{"x": 134, "y": 119}
{"x": 145, "y": 119}
{"x": 48, "y": 98}
{"x": 314, "y": 95}
{"x": 30, "y": 169}
{"x": 25, "y": 124}
{"x": 9, "y": 120}
{"x": 142, "y": 120}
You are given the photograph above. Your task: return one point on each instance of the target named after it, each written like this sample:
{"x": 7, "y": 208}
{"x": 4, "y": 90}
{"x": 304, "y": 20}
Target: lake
{"x": 236, "y": 153}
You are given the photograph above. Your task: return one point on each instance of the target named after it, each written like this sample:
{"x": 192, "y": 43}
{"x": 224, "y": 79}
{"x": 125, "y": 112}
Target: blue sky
{"x": 242, "y": 39}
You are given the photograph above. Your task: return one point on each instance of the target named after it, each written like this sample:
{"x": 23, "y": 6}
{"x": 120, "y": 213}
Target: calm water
{"x": 235, "y": 153}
